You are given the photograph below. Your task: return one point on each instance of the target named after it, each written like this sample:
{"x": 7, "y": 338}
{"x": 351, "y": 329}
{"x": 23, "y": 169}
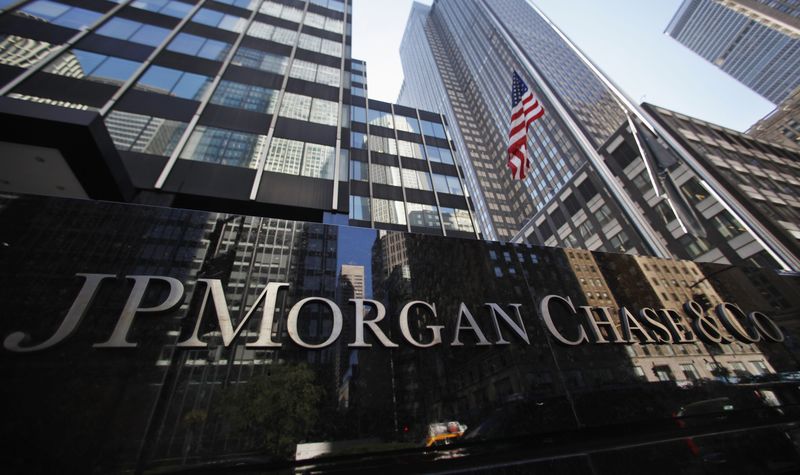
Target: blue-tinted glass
{"x": 191, "y": 86}
{"x": 150, "y": 35}
{"x": 150, "y": 5}
{"x": 77, "y": 18}
{"x": 232, "y": 23}
{"x": 207, "y": 17}
{"x": 359, "y": 140}
{"x": 116, "y": 68}
{"x": 186, "y": 43}
{"x": 161, "y": 79}
{"x": 359, "y": 114}
{"x": 438, "y": 131}
{"x": 88, "y": 61}
{"x": 119, "y": 28}
{"x": 446, "y": 156}
{"x": 45, "y": 10}
{"x": 214, "y": 49}
{"x": 5, "y": 3}
{"x": 176, "y": 9}
{"x": 433, "y": 152}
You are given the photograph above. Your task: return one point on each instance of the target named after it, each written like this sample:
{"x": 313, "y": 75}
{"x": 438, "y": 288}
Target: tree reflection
{"x": 275, "y": 410}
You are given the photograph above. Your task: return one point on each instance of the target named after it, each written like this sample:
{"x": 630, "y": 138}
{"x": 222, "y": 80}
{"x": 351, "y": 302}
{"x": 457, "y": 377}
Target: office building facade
{"x": 233, "y": 106}
{"x": 782, "y": 125}
{"x": 574, "y": 196}
{"x": 755, "y": 42}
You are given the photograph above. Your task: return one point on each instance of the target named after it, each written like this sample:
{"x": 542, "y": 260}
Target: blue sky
{"x": 625, "y": 38}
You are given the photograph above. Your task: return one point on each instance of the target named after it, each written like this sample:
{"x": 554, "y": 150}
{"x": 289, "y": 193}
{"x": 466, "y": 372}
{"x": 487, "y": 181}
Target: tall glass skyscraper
{"x": 458, "y": 57}
{"x": 756, "y": 42}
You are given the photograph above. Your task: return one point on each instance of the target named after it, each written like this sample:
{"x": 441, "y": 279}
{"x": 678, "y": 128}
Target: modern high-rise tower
{"x": 458, "y": 57}
{"x": 756, "y": 42}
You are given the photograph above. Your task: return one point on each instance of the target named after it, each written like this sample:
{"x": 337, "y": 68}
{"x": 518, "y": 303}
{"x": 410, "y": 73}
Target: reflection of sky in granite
{"x": 355, "y": 247}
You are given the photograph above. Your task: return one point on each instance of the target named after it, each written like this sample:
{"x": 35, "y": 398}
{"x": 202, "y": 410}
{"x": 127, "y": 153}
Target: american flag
{"x": 525, "y": 108}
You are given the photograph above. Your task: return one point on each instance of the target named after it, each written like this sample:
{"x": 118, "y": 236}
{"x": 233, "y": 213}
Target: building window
{"x": 198, "y": 46}
{"x": 281, "y": 11}
{"x": 759, "y": 368}
{"x": 133, "y": 31}
{"x": 447, "y": 184}
{"x": 694, "y": 191}
{"x": 410, "y": 149}
{"x": 332, "y": 48}
{"x": 324, "y": 112}
{"x": 284, "y": 156}
{"x": 727, "y": 225}
{"x": 257, "y": 59}
{"x": 165, "y": 7}
{"x": 318, "y": 161}
{"x": 246, "y": 4}
{"x": 23, "y": 52}
{"x": 423, "y": 215}
{"x": 456, "y": 220}
{"x": 417, "y": 179}
{"x": 217, "y": 19}
{"x": 358, "y": 114}
{"x": 438, "y": 154}
{"x": 95, "y": 67}
{"x": 689, "y": 372}
{"x": 309, "y": 42}
{"x": 380, "y": 118}
{"x": 433, "y": 129}
{"x": 304, "y": 70}
{"x": 359, "y": 171}
{"x": 174, "y": 82}
{"x": 59, "y": 14}
{"x": 663, "y": 373}
{"x": 385, "y": 175}
{"x": 388, "y": 211}
{"x": 295, "y": 106}
{"x": 407, "y": 124}
{"x": 224, "y": 147}
{"x": 382, "y": 145}
{"x": 359, "y": 208}
{"x": 245, "y": 97}
{"x": 142, "y": 133}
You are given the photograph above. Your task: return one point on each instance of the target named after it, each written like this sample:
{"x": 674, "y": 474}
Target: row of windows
{"x": 400, "y": 122}
{"x": 295, "y": 106}
{"x": 315, "y": 73}
{"x": 415, "y": 214}
{"x": 416, "y": 179}
{"x": 155, "y": 135}
{"x": 59, "y": 14}
{"x": 307, "y": 159}
{"x": 142, "y": 133}
{"x": 404, "y": 148}
{"x": 93, "y": 66}
{"x": 133, "y": 31}
{"x": 257, "y": 59}
{"x": 198, "y": 46}
{"x": 87, "y": 65}
{"x": 319, "y": 45}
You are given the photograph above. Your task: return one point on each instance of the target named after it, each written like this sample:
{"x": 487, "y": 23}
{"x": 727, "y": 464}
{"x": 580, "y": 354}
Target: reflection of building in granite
{"x": 94, "y": 238}
{"x": 245, "y": 253}
{"x": 661, "y": 284}
{"x": 351, "y": 286}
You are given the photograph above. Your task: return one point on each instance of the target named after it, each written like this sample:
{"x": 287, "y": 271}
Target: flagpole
{"x": 782, "y": 255}
{"x": 647, "y": 233}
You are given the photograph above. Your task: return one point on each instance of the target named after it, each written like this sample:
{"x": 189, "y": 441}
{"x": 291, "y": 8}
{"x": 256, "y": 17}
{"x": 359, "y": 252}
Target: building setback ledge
{"x": 80, "y": 136}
